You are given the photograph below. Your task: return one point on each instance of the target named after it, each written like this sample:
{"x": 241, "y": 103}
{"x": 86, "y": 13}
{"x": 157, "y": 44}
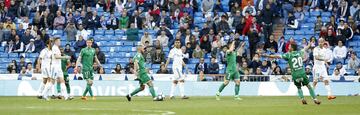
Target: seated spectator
{"x": 129, "y": 68}
{"x": 223, "y": 26}
{"x": 102, "y": 23}
{"x": 82, "y": 32}
{"x": 353, "y": 62}
{"x": 277, "y": 71}
{"x": 23, "y": 73}
{"x": 207, "y": 6}
{"x": 27, "y": 36}
{"x": 288, "y": 71}
{"x": 249, "y": 8}
{"x": 100, "y": 55}
{"x": 30, "y": 48}
{"x": 336, "y": 74}
{"x": 299, "y": 14}
{"x": 112, "y": 22}
{"x": 255, "y": 63}
{"x": 329, "y": 58}
{"x": 117, "y": 69}
{"x": 10, "y": 47}
{"x": 205, "y": 44}
{"x": 186, "y": 55}
{"x": 272, "y": 43}
{"x": 163, "y": 70}
{"x": 292, "y": 21}
{"x": 146, "y": 37}
{"x": 59, "y": 21}
{"x": 339, "y": 52}
{"x": 37, "y": 69}
{"x": 198, "y": 52}
{"x": 350, "y": 51}
{"x": 132, "y": 33}
{"x": 244, "y": 66}
{"x": 101, "y": 71}
{"x": 213, "y": 67}
{"x": 341, "y": 69}
{"x": 79, "y": 44}
{"x": 158, "y": 56}
{"x": 308, "y": 70}
{"x": 318, "y": 23}
{"x": 18, "y": 45}
{"x": 330, "y": 37}
{"x": 281, "y": 44}
{"x": 357, "y": 73}
{"x": 70, "y": 53}
{"x": 347, "y": 32}
{"x": 12, "y": 67}
{"x": 201, "y": 67}
{"x": 164, "y": 40}
{"x": 29, "y": 69}
{"x": 265, "y": 69}
{"x": 123, "y": 21}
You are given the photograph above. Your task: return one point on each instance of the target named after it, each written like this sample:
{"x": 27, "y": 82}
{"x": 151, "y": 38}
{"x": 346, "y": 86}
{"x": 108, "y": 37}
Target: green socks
{"x": 135, "y": 91}
{"x": 222, "y": 87}
{"x": 237, "y": 89}
{"x": 67, "y": 88}
{"x": 300, "y": 93}
{"x": 87, "y": 89}
{"x": 152, "y": 91}
{"x": 58, "y": 88}
{"x": 85, "y": 92}
{"x": 312, "y": 93}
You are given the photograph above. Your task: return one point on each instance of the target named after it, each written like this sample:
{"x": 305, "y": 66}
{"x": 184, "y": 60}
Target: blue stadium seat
{"x": 289, "y": 32}
{"x": 325, "y": 14}
{"x": 310, "y": 32}
{"x": 194, "y": 60}
{"x": 156, "y": 66}
{"x": 299, "y": 32}
{"x": 315, "y": 13}
{"x": 128, "y": 43}
{"x": 99, "y": 32}
{"x": 13, "y": 55}
{"x": 111, "y": 60}
{"x": 350, "y": 72}
{"x": 119, "y": 32}
{"x": 58, "y": 32}
{"x": 198, "y": 14}
{"x": 109, "y": 32}
{"x": 311, "y": 20}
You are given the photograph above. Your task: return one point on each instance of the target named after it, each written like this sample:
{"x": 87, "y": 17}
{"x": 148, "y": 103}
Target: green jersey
{"x": 87, "y": 58}
{"x": 231, "y": 61}
{"x": 141, "y": 62}
{"x": 64, "y": 63}
{"x": 295, "y": 61}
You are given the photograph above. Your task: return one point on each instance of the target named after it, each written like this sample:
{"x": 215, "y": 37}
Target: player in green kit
{"x": 86, "y": 58}
{"x": 141, "y": 73}
{"x": 232, "y": 72}
{"x": 295, "y": 60}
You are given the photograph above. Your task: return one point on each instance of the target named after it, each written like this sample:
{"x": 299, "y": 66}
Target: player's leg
{"x": 173, "y": 87}
{"x": 42, "y": 87}
{"x": 236, "y": 78}
{"x": 316, "y": 77}
{"x": 182, "y": 89}
{"x": 58, "y": 88}
{"x": 223, "y": 85}
{"x": 328, "y": 88}
{"x": 47, "y": 89}
{"x": 297, "y": 83}
{"x": 152, "y": 91}
{"x": 88, "y": 79}
{"x": 67, "y": 84}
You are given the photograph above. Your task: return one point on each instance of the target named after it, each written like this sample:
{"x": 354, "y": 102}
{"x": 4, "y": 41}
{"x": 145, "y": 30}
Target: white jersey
{"x": 177, "y": 56}
{"x": 45, "y": 55}
{"x": 321, "y": 52}
{"x": 56, "y": 63}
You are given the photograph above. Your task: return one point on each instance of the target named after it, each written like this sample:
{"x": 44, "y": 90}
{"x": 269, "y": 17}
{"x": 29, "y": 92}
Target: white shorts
{"x": 45, "y": 72}
{"x": 320, "y": 72}
{"x": 178, "y": 75}
{"x": 57, "y": 73}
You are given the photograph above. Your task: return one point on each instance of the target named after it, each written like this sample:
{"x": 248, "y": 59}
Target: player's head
{"x": 57, "y": 41}
{"x": 140, "y": 49}
{"x": 48, "y": 44}
{"x": 177, "y": 43}
{"x": 293, "y": 47}
{"x": 321, "y": 42}
{"x": 62, "y": 50}
{"x": 89, "y": 42}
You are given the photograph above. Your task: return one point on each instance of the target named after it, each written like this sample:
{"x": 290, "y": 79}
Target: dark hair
{"x": 294, "y": 47}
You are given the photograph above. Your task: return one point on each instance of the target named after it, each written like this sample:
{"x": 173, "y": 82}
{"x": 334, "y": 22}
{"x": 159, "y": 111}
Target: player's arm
{"x": 232, "y": 47}
{"x": 78, "y": 62}
{"x": 272, "y": 56}
{"x": 57, "y": 56}
{"x": 184, "y": 65}
{"x": 97, "y": 61}
{"x": 68, "y": 64}
{"x": 241, "y": 49}
{"x": 167, "y": 62}
{"x": 136, "y": 67}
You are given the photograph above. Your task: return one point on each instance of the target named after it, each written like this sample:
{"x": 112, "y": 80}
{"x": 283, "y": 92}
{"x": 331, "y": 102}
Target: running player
{"x": 232, "y": 72}
{"x": 141, "y": 73}
{"x": 86, "y": 58}
{"x": 45, "y": 59}
{"x": 295, "y": 60}
{"x": 320, "y": 71}
{"x": 178, "y": 63}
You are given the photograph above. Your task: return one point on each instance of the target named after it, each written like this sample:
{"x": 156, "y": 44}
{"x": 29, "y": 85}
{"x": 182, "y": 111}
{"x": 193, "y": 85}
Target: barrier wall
{"x": 192, "y": 88}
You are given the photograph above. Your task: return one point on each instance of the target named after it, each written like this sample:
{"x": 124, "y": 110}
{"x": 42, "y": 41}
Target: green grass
{"x": 193, "y": 106}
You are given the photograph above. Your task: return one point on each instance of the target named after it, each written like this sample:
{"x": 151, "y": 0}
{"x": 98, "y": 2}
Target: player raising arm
{"x": 232, "y": 72}
{"x": 295, "y": 60}
{"x": 86, "y": 58}
{"x": 141, "y": 73}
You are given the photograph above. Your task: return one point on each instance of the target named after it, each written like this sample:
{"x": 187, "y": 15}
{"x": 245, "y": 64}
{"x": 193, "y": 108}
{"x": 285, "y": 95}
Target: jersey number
{"x": 297, "y": 62}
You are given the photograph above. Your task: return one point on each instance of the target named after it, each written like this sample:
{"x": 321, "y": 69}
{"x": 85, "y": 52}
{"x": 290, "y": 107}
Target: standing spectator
{"x": 249, "y": 8}
{"x": 292, "y": 21}
{"x": 318, "y": 23}
{"x": 353, "y": 62}
{"x": 164, "y": 40}
{"x": 146, "y": 37}
{"x": 93, "y": 22}
{"x": 163, "y": 70}
{"x": 30, "y": 48}
{"x": 100, "y": 55}
{"x": 23, "y": 10}
{"x": 59, "y": 21}
{"x": 130, "y": 6}
{"x": 339, "y": 52}
{"x": 132, "y": 33}
{"x": 354, "y": 7}
{"x": 201, "y": 67}
{"x": 124, "y": 21}
{"x": 117, "y": 69}
{"x": 205, "y": 44}
{"x": 18, "y": 45}
{"x": 112, "y": 22}
{"x": 207, "y": 6}
{"x": 198, "y": 52}
{"x": 213, "y": 66}
{"x": 137, "y": 20}
{"x": 82, "y": 32}
{"x": 158, "y": 57}
{"x": 71, "y": 32}
{"x": 267, "y": 22}
{"x": 79, "y": 44}
{"x": 343, "y": 10}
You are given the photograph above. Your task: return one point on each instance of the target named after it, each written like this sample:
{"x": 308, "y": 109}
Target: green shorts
{"x": 232, "y": 75}
{"x": 66, "y": 78}
{"x": 88, "y": 75}
{"x": 300, "y": 80}
{"x": 144, "y": 78}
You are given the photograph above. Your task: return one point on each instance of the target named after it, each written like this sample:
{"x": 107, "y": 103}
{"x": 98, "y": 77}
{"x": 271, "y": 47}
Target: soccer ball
{"x": 161, "y": 96}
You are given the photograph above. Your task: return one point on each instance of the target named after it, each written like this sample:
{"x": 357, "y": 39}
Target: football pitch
{"x": 281, "y": 105}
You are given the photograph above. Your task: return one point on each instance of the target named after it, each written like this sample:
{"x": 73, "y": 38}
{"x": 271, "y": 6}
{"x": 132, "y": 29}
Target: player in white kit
{"x": 45, "y": 59}
{"x": 320, "y": 71}
{"x": 56, "y": 73}
{"x": 178, "y": 63}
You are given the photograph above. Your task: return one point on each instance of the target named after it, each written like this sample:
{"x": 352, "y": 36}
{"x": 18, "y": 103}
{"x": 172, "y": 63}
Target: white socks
{"x": 173, "y": 86}
{"x": 181, "y": 86}
{"x": 327, "y": 87}
{"x": 48, "y": 87}
{"x": 63, "y": 90}
{"x": 41, "y": 88}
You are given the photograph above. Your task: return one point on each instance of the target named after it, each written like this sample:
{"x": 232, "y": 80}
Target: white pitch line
{"x": 156, "y": 112}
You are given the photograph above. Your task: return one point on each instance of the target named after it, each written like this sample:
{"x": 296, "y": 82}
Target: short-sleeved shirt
{"x": 231, "y": 61}
{"x": 45, "y": 55}
{"x": 87, "y": 58}
{"x": 321, "y": 52}
{"x": 295, "y": 60}
{"x": 56, "y": 63}
{"x": 177, "y": 55}
{"x": 141, "y": 62}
